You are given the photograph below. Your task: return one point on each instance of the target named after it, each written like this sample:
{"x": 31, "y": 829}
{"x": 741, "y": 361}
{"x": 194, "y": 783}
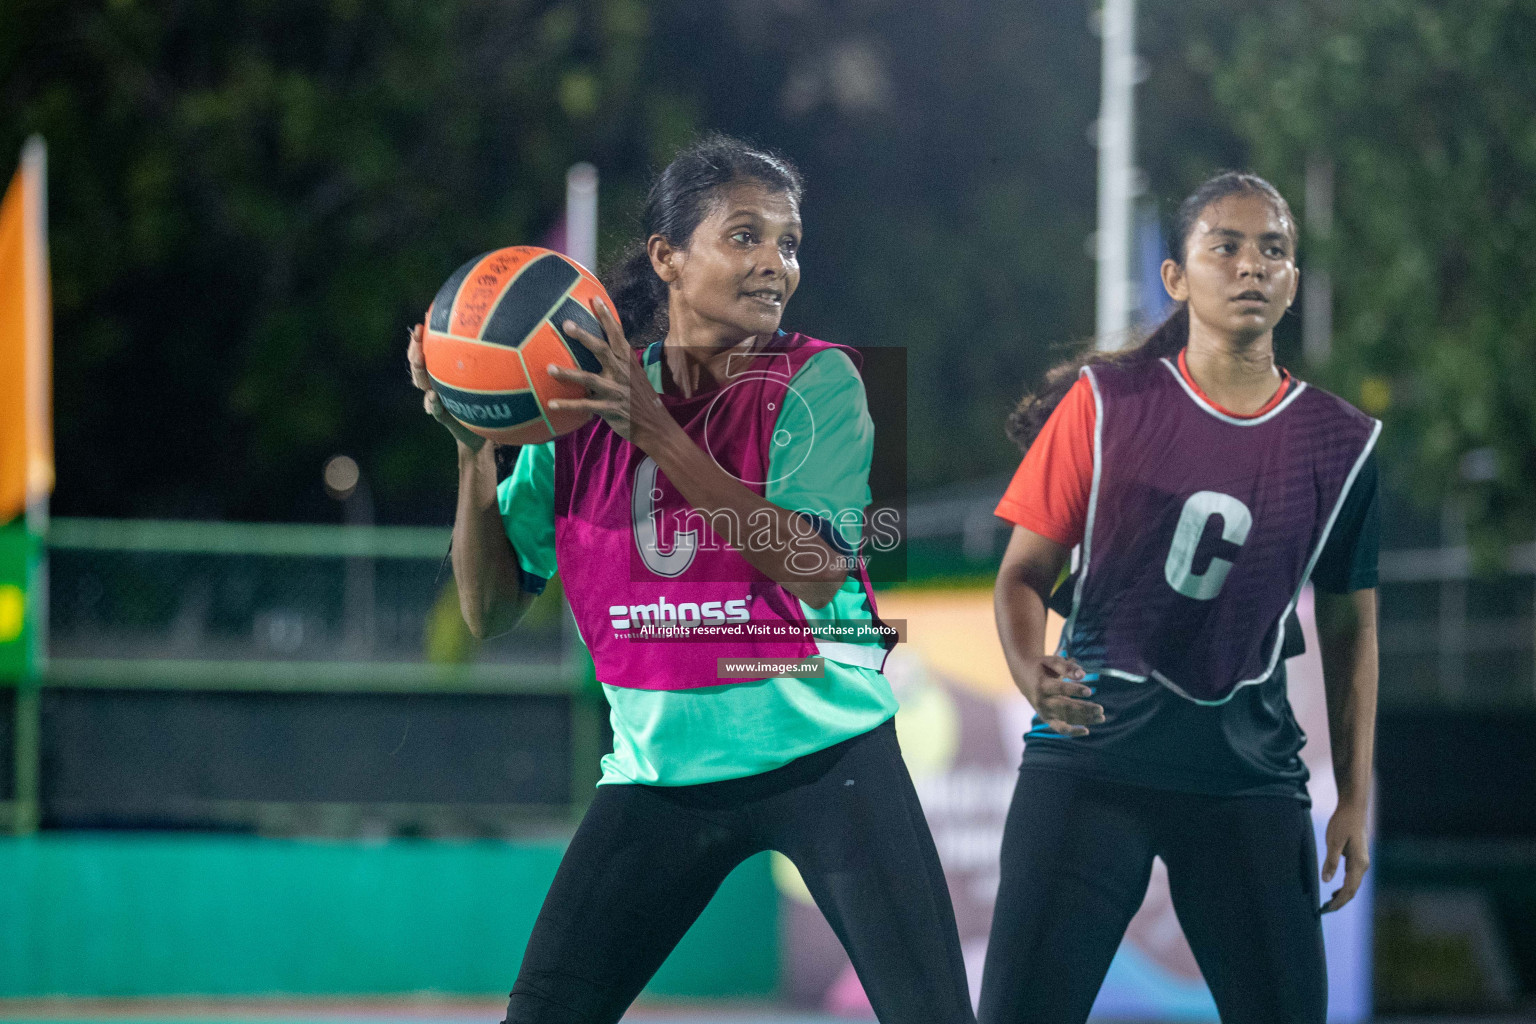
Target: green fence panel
{"x": 94, "y": 915}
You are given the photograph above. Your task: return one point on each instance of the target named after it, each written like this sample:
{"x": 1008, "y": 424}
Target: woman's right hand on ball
{"x": 1054, "y": 688}
{"x": 430, "y": 400}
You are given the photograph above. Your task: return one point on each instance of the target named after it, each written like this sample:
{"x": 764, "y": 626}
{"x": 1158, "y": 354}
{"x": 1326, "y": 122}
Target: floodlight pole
{"x": 585, "y": 708}
{"x": 1317, "y": 282}
{"x": 581, "y": 215}
{"x": 1117, "y": 170}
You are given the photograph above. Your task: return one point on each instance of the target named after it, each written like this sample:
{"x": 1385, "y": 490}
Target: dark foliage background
{"x": 251, "y": 199}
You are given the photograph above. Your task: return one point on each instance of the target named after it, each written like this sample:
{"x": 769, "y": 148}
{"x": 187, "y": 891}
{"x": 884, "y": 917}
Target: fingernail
{"x": 554, "y": 403}
{"x": 569, "y": 327}
{"x": 552, "y": 368}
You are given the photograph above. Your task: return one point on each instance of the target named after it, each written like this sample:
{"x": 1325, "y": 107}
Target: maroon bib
{"x": 1203, "y": 527}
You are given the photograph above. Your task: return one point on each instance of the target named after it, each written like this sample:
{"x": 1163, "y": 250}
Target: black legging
{"x": 1077, "y": 855}
{"x": 647, "y": 859}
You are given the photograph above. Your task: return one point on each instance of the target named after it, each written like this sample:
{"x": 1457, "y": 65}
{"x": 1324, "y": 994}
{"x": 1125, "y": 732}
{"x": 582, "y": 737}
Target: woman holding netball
{"x": 713, "y": 486}
{"x": 1204, "y": 487}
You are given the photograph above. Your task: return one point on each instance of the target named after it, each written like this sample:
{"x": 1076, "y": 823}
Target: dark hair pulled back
{"x": 679, "y": 199}
{"x": 1165, "y": 340}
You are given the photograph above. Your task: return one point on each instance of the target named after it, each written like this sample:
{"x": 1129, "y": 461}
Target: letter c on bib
{"x": 1236, "y": 521}
{"x": 647, "y": 538}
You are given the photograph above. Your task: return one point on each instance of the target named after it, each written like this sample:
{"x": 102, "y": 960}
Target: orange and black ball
{"x": 493, "y": 330}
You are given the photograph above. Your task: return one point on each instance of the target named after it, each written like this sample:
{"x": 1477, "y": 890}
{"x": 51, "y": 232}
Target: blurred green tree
{"x": 251, "y": 201}
{"x": 1427, "y": 111}
{"x": 950, "y": 187}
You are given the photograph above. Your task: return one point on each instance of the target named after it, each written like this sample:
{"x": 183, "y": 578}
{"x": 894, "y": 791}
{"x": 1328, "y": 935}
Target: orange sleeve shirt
{"x": 1049, "y": 492}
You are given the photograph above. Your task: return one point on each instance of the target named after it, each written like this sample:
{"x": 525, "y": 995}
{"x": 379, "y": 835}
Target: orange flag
{"x": 26, "y": 339}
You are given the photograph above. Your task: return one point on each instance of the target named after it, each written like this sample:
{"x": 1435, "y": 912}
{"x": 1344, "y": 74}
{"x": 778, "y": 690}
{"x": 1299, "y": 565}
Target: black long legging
{"x": 647, "y": 859}
{"x": 1076, "y": 857}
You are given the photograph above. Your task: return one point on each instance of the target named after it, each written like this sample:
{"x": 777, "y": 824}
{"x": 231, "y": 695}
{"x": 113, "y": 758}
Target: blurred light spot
{"x": 341, "y": 476}
{"x": 13, "y": 609}
{"x": 1480, "y": 466}
{"x": 578, "y": 95}
{"x": 789, "y": 881}
{"x": 858, "y": 78}
{"x": 281, "y": 630}
{"x": 1375, "y": 395}
{"x": 851, "y": 75}
{"x": 802, "y": 92}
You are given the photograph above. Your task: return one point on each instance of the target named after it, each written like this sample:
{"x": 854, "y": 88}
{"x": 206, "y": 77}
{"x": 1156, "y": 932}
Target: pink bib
{"x": 634, "y": 554}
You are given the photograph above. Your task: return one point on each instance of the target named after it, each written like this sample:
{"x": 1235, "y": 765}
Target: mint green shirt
{"x": 684, "y": 737}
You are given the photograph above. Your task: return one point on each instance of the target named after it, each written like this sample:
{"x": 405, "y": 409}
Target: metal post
{"x": 586, "y": 710}
{"x": 1116, "y": 139}
{"x": 28, "y": 745}
{"x": 344, "y": 481}
{"x": 29, "y": 697}
{"x": 586, "y": 696}
{"x": 1453, "y": 608}
{"x": 978, "y": 535}
{"x": 359, "y": 587}
{"x": 581, "y": 215}
{"x": 21, "y": 809}
{"x": 1317, "y": 303}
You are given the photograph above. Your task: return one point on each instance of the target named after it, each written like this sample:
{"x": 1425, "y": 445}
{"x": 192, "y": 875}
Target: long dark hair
{"x": 1029, "y": 416}
{"x": 678, "y": 201}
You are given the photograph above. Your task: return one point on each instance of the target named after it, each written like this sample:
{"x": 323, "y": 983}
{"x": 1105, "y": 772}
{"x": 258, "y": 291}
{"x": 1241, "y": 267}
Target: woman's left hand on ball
{"x": 621, "y": 394}
{"x": 431, "y": 401}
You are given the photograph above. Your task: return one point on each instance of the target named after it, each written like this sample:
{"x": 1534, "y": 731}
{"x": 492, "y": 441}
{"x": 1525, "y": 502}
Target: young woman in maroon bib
{"x": 660, "y": 512}
{"x": 1202, "y": 487}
